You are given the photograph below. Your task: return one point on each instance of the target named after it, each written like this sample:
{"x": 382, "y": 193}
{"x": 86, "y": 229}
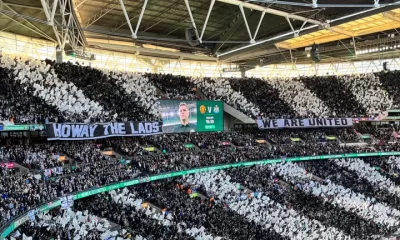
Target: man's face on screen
{"x": 183, "y": 112}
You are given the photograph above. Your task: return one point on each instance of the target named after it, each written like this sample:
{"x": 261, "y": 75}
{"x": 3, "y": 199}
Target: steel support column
{"x": 208, "y": 16}
{"x": 140, "y": 17}
{"x": 246, "y": 24}
{"x": 270, "y": 11}
{"x": 106, "y": 9}
{"x": 121, "y": 2}
{"x": 66, "y": 28}
{"x": 192, "y": 19}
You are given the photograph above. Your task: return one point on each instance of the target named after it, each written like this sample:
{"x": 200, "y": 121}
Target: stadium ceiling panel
{"x": 376, "y": 23}
{"x": 232, "y": 30}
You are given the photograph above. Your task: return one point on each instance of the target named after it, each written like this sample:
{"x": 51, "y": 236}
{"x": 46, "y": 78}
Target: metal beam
{"x": 130, "y": 47}
{"x": 180, "y": 23}
{"x": 122, "y": 23}
{"x": 121, "y": 2}
{"x": 192, "y": 20}
{"x": 68, "y": 28}
{"x": 143, "y": 37}
{"x": 53, "y": 11}
{"x": 21, "y": 5}
{"x": 281, "y": 37}
{"x": 42, "y": 33}
{"x": 208, "y": 16}
{"x": 270, "y": 11}
{"x": 314, "y": 4}
{"x": 78, "y": 3}
{"x": 166, "y": 11}
{"x": 259, "y": 24}
{"x": 246, "y": 24}
{"x": 46, "y": 9}
{"x": 77, "y": 25}
{"x": 235, "y": 25}
{"x": 219, "y": 21}
{"x": 25, "y": 26}
{"x": 106, "y": 9}
{"x": 291, "y": 25}
{"x": 141, "y": 16}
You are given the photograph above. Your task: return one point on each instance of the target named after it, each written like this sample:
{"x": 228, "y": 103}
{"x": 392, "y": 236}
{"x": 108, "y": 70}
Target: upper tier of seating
{"x": 36, "y": 91}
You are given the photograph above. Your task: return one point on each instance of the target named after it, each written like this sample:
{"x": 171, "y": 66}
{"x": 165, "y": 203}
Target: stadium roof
{"x": 251, "y": 32}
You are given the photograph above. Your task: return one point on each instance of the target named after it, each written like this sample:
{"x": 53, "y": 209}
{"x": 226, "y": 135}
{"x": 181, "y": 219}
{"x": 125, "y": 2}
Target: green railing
{"x": 46, "y": 207}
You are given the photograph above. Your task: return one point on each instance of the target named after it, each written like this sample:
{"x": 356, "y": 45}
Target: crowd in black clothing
{"x": 69, "y": 224}
{"x": 174, "y": 86}
{"x": 176, "y": 149}
{"x": 23, "y": 192}
{"x": 341, "y": 200}
{"x": 221, "y": 89}
{"x": 340, "y": 99}
{"x": 226, "y": 205}
{"x": 384, "y": 132}
{"x": 354, "y": 180}
{"x": 182, "y": 212}
{"x": 45, "y": 91}
{"x": 18, "y": 104}
{"x": 20, "y": 193}
{"x": 264, "y": 96}
{"x": 390, "y": 80}
{"x": 310, "y": 206}
{"x": 336, "y": 198}
{"x": 47, "y": 155}
{"x": 103, "y": 88}
{"x": 91, "y": 168}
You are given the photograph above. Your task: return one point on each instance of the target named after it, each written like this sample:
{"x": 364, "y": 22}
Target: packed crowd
{"x": 44, "y": 91}
{"x": 90, "y": 168}
{"x": 66, "y": 223}
{"x": 278, "y": 201}
{"x": 173, "y": 86}
{"x": 47, "y": 155}
{"x": 163, "y": 211}
{"x": 265, "y": 96}
{"x": 349, "y": 96}
{"x": 23, "y": 192}
{"x": 391, "y": 84}
{"x": 214, "y": 147}
{"x": 221, "y": 89}
{"x": 109, "y": 91}
{"x": 333, "y": 199}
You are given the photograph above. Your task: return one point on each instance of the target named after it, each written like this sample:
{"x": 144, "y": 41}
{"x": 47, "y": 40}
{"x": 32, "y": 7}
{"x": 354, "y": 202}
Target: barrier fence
{"x": 6, "y": 230}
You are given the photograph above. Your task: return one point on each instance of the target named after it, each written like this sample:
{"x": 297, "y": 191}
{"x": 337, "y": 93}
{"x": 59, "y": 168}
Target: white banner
{"x": 304, "y": 123}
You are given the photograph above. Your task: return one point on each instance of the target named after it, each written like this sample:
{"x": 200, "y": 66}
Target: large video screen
{"x": 192, "y": 116}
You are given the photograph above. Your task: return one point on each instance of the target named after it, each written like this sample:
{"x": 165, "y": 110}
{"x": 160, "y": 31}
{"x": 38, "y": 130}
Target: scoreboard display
{"x": 210, "y": 116}
{"x": 192, "y": 116}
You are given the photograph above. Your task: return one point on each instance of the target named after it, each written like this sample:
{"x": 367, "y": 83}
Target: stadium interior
{"x": 199, "y": 119}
